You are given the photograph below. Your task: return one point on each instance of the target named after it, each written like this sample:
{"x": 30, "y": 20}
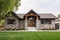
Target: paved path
{"x": 32, "y": 31}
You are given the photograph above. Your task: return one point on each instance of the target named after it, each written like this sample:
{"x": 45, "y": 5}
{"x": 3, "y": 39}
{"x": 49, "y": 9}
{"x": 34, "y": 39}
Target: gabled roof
{"x": 47, "y": 16}
{"x": 31, "y": 12}
{"x": 21, "y": 15}
{"x": 13, "y": 14}
{"x": 50, "y": 16}
{"x": 41, "y": 16}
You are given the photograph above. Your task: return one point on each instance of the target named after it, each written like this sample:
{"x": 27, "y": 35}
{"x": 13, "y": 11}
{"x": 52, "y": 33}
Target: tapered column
{"x": 26, "y": 22}
{"x": 37, "y": 23}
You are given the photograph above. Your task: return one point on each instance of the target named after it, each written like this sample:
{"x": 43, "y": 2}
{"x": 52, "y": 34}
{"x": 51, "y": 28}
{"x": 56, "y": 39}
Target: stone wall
{"x": 22, "y": 24}
{"x": 42, "y": 26}
{"x": 47, "y": 26}
{"x": 12, "y": 26}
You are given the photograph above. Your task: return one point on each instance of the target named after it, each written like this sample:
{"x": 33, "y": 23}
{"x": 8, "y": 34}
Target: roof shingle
{"x": 41, "y": 15}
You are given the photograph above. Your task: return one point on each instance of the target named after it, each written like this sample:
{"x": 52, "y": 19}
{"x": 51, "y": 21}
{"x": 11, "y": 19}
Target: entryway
{"x": 31, "y": 20}
{"x": 57, "y": 26}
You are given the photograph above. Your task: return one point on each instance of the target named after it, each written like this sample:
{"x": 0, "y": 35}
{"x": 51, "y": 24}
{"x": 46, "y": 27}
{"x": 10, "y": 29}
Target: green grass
{"x": 30, "y": 36}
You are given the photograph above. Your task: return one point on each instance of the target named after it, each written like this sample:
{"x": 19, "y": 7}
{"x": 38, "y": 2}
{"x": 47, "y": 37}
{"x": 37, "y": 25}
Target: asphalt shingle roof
{"x": 47, "y": 16}
{"x": 41, "y": 15}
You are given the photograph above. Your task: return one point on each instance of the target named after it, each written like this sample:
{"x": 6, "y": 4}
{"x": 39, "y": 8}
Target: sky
{"x": 40, "y": 6}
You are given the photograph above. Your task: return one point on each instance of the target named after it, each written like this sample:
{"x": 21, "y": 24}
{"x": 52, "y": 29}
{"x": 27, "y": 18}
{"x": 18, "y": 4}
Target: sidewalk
{"x": 31, "y": 31}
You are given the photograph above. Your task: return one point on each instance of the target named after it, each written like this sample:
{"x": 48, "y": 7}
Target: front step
{"x": 31, "y": 28}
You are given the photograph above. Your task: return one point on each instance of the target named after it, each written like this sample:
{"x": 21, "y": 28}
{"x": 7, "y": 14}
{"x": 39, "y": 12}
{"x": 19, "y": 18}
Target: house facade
{"x": 57, "y": 23}
{"x": 29, "y": 21}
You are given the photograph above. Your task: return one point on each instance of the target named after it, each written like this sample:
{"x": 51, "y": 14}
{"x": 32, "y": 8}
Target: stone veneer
{"x": 42, "y": 26}
{"x": 12, "y": 26}
{"x": 47, "y": 26}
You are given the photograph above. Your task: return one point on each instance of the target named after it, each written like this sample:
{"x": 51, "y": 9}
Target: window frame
{"x": 46, "y": 21}
{"x": 11, "y": 21}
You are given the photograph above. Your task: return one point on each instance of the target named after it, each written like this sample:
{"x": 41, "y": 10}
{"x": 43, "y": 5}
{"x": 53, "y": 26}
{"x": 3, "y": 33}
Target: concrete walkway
{"x": 31, "y": 31}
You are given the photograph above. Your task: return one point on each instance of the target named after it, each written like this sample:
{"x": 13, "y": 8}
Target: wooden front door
{"x": 31, "y": 24}
{"x": 32, "y": 21}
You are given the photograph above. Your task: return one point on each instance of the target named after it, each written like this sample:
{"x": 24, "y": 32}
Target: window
{"x": 11, "y": 21}
{"x": 45, "y": 21}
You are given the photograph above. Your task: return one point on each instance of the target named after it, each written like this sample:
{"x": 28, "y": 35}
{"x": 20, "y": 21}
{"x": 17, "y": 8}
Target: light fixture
{"x": 31, "y": 14}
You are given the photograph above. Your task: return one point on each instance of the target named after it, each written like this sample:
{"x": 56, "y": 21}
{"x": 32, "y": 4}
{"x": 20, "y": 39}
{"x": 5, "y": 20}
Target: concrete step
{"x": 31, "y": 28}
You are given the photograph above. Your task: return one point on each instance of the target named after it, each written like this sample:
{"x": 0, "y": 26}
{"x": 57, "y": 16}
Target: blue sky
{"x": 40, "y": 6}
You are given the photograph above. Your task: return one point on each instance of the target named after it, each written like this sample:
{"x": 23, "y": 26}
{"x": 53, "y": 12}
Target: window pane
{"x": 45, "y": 21}
{"x": 11, "y": 21}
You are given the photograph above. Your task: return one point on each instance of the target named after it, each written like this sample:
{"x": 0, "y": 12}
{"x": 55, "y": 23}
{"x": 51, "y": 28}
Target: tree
{"x": 58, "y": 15}
{"x": 8, "y": 5}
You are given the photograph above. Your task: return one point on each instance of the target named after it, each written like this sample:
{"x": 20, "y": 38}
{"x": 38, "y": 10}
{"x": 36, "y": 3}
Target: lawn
{"x": 29, "y": 35}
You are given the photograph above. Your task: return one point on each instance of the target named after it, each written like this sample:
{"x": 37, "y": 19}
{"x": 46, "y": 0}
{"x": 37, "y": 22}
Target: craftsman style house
{"x": 30, "y": 20}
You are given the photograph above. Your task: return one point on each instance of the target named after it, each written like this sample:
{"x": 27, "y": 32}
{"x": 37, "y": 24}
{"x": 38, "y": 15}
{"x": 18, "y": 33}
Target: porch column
{"x": 26, "y": 22}
{"x": 37, "y": 23}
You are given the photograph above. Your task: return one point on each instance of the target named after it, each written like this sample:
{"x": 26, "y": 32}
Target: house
{"x": 57, "y": 23}
{"x": 29, "y": 21}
